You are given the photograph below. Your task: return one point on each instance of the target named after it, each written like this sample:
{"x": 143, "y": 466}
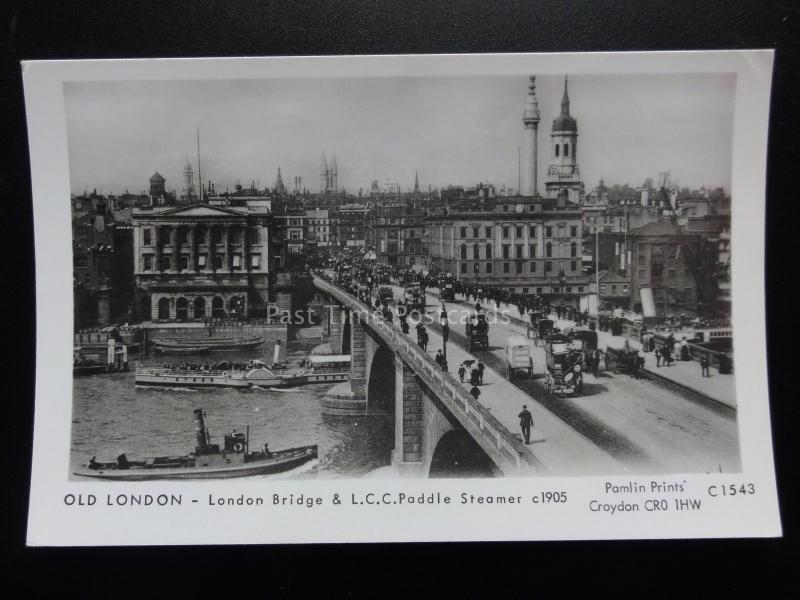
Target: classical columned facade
{"x": 202, "y": 262}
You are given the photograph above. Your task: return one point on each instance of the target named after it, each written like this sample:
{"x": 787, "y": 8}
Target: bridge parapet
{"x": 507, "y": 451}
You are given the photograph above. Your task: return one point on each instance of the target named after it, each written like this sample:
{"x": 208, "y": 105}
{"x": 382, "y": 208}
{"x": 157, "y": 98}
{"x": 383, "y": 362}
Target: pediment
{"x": 195, "y": 211}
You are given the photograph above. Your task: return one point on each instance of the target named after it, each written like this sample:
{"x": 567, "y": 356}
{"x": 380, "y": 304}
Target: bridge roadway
{"x": 640, "y": 423}
{"x": 556, "y": 448}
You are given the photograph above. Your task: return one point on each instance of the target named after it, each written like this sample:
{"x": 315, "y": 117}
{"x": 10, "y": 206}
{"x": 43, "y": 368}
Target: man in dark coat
{"x": 525, "y": 423}
{"x": 475, "y": 392}
{"x": 481, "y": 367}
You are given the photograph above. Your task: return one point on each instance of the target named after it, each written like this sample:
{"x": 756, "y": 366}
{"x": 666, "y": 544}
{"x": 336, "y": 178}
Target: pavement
{"x": 717, "y": 387}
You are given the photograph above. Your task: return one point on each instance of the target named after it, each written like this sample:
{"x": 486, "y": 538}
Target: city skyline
{"x": 450, "y": 130}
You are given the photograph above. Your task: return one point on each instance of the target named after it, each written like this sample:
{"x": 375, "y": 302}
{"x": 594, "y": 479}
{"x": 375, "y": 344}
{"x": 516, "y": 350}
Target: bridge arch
{"x": 458, "y": 455}
{"x": 381, "y": 381}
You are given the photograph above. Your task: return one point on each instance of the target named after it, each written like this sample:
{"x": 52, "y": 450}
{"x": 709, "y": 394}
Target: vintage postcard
{"x": 400, "y": 298}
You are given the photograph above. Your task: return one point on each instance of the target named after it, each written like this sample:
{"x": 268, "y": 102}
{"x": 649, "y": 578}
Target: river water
{"x": 111, "y": 415}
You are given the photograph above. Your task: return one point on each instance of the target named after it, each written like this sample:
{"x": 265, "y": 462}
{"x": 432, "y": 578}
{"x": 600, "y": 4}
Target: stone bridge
{"x": 439, "y": 428}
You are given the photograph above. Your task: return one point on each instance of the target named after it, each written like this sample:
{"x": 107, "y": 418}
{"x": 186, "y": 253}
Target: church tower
{"x": 531, "y": 118}
{"x": 563, "y": 174}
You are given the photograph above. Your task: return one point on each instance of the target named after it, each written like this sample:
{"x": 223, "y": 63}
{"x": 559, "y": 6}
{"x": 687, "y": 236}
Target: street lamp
{"x": 562, "y": 281}
{"x": 476, "y": 269}
{"x": 445, "y": 334}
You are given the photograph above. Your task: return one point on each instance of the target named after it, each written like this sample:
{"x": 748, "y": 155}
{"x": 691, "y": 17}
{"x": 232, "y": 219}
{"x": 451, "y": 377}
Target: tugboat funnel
{"x": 277, "y": 352}
{"x": 200, "y": 430}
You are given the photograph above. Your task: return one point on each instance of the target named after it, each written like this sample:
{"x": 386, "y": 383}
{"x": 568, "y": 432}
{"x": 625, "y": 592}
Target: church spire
{"x": 565, "y": 99}
{"x": 416, "y": 183}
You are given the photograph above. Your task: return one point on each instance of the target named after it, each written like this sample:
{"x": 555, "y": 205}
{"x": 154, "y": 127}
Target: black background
{"x": 147, "y": 28}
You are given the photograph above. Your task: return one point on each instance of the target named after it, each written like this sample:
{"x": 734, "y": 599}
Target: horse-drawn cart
{"x": 622, "y": 360}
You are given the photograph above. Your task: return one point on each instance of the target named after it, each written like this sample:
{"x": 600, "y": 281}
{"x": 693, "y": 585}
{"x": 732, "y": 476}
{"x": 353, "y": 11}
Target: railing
{"x": 507, "y": 451}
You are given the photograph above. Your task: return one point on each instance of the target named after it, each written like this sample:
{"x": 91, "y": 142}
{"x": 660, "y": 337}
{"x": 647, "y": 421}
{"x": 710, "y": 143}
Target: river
{"x": 111, "y": 415}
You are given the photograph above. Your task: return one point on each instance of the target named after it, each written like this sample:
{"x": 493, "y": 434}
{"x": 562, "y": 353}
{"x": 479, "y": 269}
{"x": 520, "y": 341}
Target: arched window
{"x": 236, "y": 306}
{"x": 163, "y": 309}
{"x": 566, "y": 150}
{"x": 573, "y": 249}
{"x": 199, "y": 308}
{"x": 218, "y": 308}
{"x": 548, "y": 250}
{"x": 181, "y": 309}
{"x": 557, "y": 149}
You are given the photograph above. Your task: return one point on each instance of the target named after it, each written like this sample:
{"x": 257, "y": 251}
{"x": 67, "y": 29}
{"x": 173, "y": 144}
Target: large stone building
{"x": 395, "y": 233}
{"x": 351, "y": 225}
{"x": 320, "y": 230}
{"x": 530, "y": 244}
{"x": 201, "y": 262}
{"x": 102, "y": 263}
{"x": 289, "y": 236}
{"x": 676, "y": 267}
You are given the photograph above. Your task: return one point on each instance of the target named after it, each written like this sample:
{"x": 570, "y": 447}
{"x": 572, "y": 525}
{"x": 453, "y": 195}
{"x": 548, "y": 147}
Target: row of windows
{"x": 613, "y": 288}
{"x": 519, "y": 268}
{"x": 518, "y": 251}
{"x": 200, "y": 233}
{"x": 519, "y": 231}
{"x": 200, "y": 262}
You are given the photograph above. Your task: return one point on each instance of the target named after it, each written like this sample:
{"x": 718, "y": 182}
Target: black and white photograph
{"x": 282, "y": 279}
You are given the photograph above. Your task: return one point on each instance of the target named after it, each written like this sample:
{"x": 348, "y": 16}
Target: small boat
{"x": 184, "y": 346}
{"x": 207, "y": 461}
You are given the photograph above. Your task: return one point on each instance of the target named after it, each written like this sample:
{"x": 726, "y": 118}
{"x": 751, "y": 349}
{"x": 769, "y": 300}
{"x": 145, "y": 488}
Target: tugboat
{"x": 206, "y": 462}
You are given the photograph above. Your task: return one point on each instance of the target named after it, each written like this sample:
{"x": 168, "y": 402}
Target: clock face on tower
{"x": 519, "y": 208}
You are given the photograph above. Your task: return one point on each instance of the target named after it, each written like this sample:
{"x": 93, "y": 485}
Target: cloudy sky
{"x": 454, "y": 131}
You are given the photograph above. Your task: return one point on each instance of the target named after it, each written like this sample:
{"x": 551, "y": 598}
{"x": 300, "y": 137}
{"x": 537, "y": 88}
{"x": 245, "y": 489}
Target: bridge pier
{"x": 409, "y": 419}
{"x": 336, "y": 328}
{"x": 358, "y": 359}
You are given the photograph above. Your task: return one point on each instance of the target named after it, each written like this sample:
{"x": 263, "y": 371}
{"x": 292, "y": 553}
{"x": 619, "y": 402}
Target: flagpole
{"x": 199, "y": 174}
{"x": 597, "y": 265}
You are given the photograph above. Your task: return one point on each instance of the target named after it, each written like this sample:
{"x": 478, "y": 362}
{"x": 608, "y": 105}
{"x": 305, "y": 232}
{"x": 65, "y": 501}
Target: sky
{"x": 451, "y": 130}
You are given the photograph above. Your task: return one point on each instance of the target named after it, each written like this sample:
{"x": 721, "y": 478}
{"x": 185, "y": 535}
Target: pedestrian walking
{"x": 439, "y": 358}
{"x": 475, "y": 392}
{"x": 525, "y": 423}
{"x": 481, "y": 367}
{"x": 704, "y": 366}
{"x": 474, "y": 376}
{"x": 658, "y": 357}
{"x": 461, "y": 372}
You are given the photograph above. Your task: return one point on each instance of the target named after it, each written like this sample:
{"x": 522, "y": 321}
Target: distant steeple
{"x": 279, "y": 187}
{"x": 565, "y": 99}
{"x": 416, "y": 183}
